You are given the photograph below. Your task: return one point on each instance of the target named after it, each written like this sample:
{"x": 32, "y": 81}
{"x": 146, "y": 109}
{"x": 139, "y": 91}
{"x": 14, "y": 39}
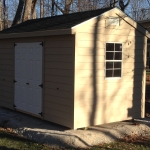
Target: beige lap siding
{"x": 6, "y": 74}
{"x": 99, "y": 100}
{"x": 58, "y": 63}
{"x": 7, "y": 69}
{"x": 59, "y": 79}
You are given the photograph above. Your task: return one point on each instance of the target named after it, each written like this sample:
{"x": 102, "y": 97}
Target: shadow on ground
{"x": 58, "y": 136}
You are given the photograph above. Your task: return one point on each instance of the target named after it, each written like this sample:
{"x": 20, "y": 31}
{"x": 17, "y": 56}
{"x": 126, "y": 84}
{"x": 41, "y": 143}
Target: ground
{"x": 147, "y": 101}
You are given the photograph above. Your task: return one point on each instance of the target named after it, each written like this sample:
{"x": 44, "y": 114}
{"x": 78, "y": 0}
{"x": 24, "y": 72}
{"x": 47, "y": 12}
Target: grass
{"x": 11, "y": 141}
{"x": 127, "y": 143}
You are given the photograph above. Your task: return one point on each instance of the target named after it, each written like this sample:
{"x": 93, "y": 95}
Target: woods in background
{"x": 13, "y": 12}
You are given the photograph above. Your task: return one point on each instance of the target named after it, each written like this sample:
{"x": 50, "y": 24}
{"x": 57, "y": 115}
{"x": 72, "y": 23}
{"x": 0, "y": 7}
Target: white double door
{"x": 28, "y": 77}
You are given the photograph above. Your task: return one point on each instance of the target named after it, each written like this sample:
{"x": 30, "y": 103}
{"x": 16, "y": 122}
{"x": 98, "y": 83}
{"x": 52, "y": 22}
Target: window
{"x": 113, "y": 21}
{"x": 113, "y": 60}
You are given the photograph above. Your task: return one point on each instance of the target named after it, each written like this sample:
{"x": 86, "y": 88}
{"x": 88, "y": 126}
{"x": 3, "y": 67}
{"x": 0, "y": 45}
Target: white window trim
{"x": 114, "y": 61}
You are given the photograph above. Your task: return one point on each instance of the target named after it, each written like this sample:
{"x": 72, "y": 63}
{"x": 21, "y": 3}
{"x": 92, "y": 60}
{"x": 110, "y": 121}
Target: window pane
{"x": 109, "y": 46}
{"x": 109, "y": 65}
{"x": 118, "y": 47}
{"x": 117, "y": 73}
{"x": 109, "y": 73}
{"x": 117, "y": 64}
{"x": 109, "y": 55}
{"x": 118, "y": 56}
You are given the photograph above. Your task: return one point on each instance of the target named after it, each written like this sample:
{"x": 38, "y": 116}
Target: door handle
{"x": 27, "y": 83}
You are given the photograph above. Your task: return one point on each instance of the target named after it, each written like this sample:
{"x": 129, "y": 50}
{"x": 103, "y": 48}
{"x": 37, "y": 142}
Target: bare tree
{"x": 41, "y": 8}
{"x": 63, "y": 7}
{"x": 1, "y": 18}
{"x": 33, "y": 10}
{"x": 12, "y": 8}
{"x": 139, "y": 10}
{"x": 67, "y": 6}
{"x": 4, "y": 14}
{"x": 52, "y": 14}
{"x": 27, "y": 10}
{"x": 17, "y": 18}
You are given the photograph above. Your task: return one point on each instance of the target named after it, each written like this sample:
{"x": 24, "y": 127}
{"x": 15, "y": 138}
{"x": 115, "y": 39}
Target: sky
{"x": 12, "y": 6}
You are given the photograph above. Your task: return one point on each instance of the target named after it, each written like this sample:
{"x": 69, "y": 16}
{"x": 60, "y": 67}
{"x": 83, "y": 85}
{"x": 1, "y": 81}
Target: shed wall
{"x": 6, "y": 74}
{"x": 59, "y": 79}
{"x": 100, "y": 100}
{"x": 58, "y": 63}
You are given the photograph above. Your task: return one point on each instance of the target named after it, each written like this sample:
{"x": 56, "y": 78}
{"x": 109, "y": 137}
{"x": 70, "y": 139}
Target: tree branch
{"x": 18, "y": 15}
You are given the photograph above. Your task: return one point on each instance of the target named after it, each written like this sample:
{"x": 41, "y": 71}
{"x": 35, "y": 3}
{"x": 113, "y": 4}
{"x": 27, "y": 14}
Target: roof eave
{"x": 144, "y": 21}
{"x": 37, "y": 33}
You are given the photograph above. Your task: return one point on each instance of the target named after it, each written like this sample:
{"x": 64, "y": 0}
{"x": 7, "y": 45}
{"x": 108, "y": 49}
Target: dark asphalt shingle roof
{"x": 56, "y": 22}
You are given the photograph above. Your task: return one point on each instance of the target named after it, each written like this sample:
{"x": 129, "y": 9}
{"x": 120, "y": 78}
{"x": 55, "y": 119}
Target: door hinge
{"x": 15, "y": 44}
{"x": 41, "y": 44}
{"x": 15, "y": 81}
{"x": 41, "y": 114}
{"x": 41, "y": 85}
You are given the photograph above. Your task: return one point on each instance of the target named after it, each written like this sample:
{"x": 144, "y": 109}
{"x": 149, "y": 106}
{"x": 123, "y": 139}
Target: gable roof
{"x": 56, "y": 22}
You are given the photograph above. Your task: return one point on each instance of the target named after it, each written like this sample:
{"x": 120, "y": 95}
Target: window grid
{"x": 113, "y": 63}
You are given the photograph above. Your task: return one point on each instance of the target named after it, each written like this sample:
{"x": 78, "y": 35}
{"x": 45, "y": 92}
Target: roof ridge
{"x": 55, "y": 22}
{"x": 106, "y": 8}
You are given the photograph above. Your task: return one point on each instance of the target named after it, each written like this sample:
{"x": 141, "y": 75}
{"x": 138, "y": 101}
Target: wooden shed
{"x": 76, "y": 70}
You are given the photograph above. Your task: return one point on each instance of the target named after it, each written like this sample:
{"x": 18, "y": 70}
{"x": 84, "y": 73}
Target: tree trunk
{"x": 18, "y": 15}
{"x": 41, "y": 8}
{"x": 33, "y": 10}
{"x": 57, "y": 6}
{"x": 4, "y": 14}
{"x": 1, "y": 11}
{"x": 52, "y": 14}
{"x": 27, "y": 10}
{"x": 67, "y": 6}
{"x": 122, "y": 5}
{"x": 79, "y": 5}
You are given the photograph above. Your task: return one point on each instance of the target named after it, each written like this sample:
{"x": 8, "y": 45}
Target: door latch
{"x": 41, "y": 114}
{"x": 41, "y": 85}
{"x": 15, "y": 81}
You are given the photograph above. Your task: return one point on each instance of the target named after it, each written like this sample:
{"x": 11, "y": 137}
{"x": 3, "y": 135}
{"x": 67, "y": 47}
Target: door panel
{"x": 28, "y": 74}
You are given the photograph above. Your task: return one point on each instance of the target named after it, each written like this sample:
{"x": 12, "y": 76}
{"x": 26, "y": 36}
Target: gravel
{"x": 58, "y": 136}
